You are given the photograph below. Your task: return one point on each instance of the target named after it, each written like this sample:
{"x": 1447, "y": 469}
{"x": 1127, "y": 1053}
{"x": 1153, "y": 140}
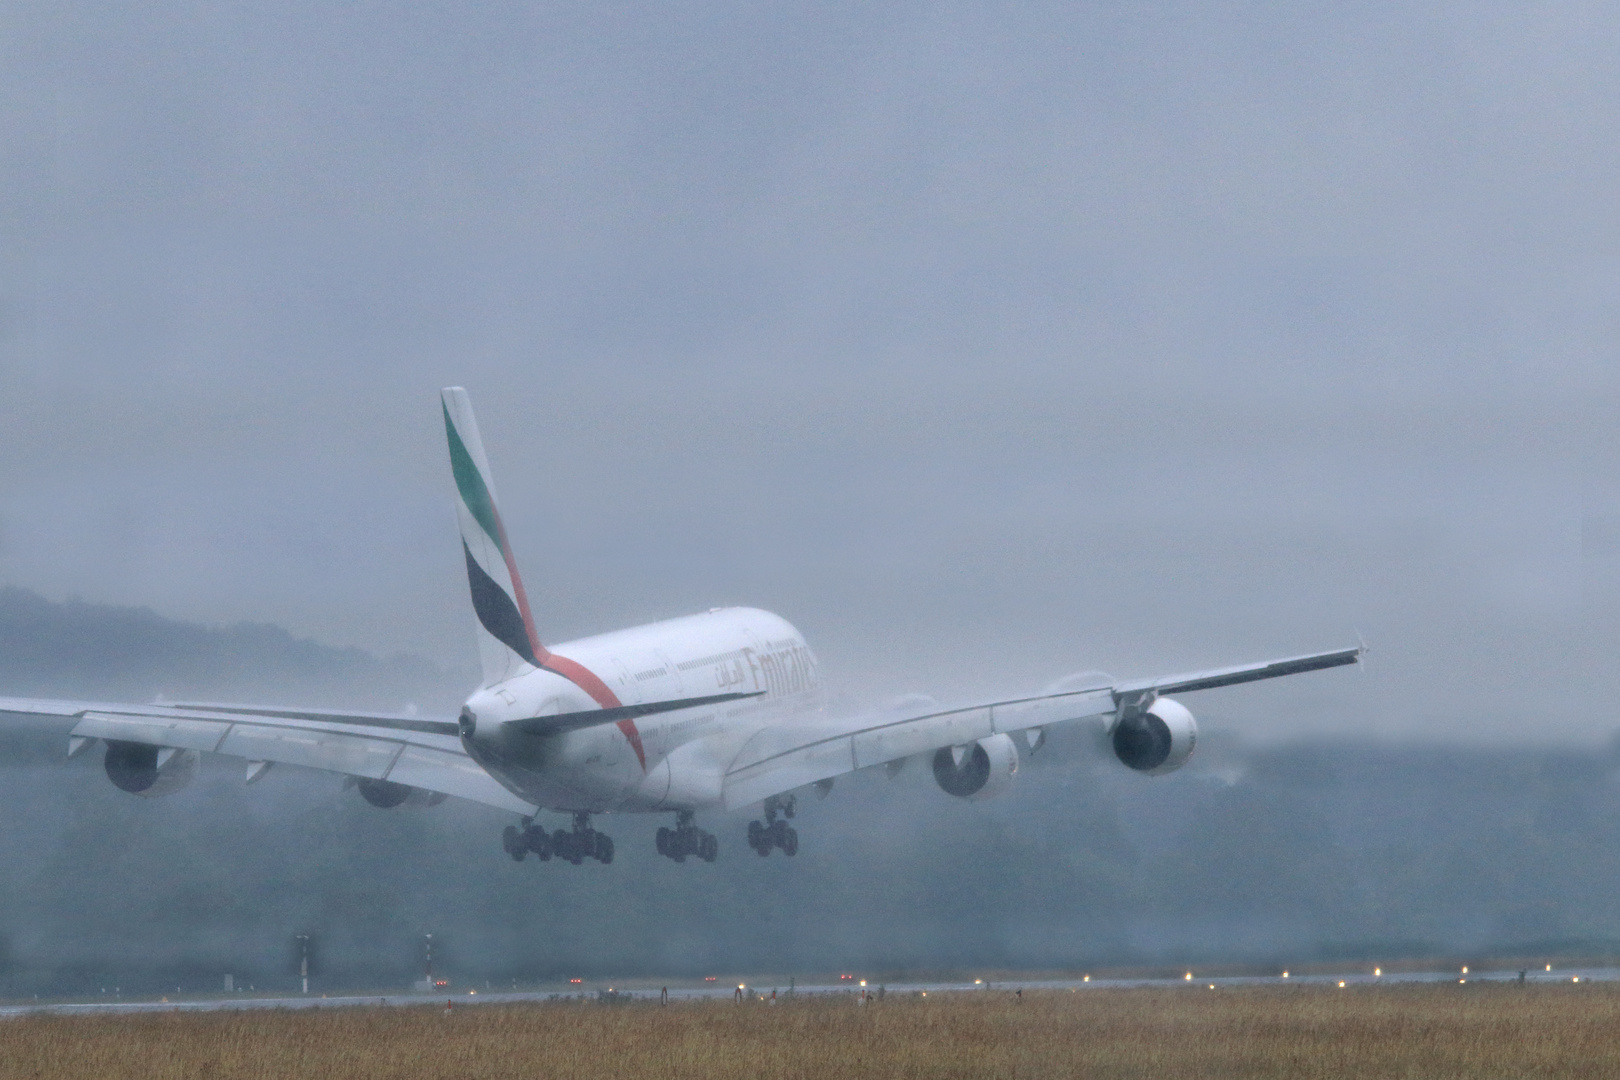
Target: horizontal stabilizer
{"x": 574, "y": 721}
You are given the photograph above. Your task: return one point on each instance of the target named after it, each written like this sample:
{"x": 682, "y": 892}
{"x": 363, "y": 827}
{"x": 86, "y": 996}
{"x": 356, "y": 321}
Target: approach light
{"x": 1341, "y": 984}
{"x": 1465, "y": 969}
{"x": 1189, "y": 976}
{"x": 1086, "y": 979}
{"x": 1549, "y": 967}
{"x": 1212, "y": 986}
{"x": 1378, "y": 971}
{"x": 863, "y": 982}
{"x": 739, "y": 986}
{"x": 1576, "y": 979}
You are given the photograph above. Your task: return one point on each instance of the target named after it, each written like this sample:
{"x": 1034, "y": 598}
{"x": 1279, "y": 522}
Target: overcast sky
{"x": 985, "y": 342}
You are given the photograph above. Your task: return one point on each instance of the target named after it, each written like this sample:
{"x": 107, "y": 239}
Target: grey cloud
{"x": 986, "y": 343}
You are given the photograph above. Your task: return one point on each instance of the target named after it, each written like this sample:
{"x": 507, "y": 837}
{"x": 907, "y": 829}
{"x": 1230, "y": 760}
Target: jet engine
{"x": 978, "y": 771}
{"x": 1157, "y": 740}
{"x": 385, "y": 794}
{"x": 149, "y": 771}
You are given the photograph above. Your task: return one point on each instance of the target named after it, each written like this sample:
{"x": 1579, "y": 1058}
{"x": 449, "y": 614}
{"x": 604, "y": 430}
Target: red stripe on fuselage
{"x": 575, "y": 672}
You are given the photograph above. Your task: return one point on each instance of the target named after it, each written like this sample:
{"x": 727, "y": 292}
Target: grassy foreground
{"x": 1477, "y": 1031}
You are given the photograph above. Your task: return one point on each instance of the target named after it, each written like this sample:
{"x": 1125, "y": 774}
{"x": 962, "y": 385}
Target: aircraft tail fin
{"x": 507, "y": 645}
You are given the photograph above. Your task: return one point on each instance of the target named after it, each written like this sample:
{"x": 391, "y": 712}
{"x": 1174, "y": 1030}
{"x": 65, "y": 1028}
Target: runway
{"x": 455, "y": 999}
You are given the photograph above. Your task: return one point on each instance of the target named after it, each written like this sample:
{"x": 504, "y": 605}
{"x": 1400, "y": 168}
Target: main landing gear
{"x": 575, "y": 847}
{"x": 771, "y": 833}
{"x": 687, "y": 839}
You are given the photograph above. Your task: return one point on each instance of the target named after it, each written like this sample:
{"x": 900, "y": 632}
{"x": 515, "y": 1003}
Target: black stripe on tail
{"x": 496, "y": 610}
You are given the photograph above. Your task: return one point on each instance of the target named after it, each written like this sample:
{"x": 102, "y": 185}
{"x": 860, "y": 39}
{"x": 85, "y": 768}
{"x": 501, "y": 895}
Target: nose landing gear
{"x": 774, "y": 833}
{"x": 687, "y": 839}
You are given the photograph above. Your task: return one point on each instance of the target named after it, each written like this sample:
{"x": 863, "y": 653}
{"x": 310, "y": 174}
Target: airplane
{"x": 709, "y": 712}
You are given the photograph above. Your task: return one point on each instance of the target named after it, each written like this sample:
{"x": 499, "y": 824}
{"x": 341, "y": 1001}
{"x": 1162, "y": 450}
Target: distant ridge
{"x": 87, "y": 650}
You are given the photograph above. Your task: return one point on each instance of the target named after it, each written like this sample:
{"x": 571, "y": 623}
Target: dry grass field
{"x": 1475, "y": 1031}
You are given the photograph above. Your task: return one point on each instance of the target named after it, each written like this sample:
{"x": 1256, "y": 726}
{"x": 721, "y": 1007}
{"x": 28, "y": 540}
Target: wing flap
{"x": 453, "y": 773}
{"x": 183, "y": 734}
{"x": 354, "y": 755}
{"x": 782, "y": 758}
{"x": 784, "y": 772}
{"x": 422, "y": 753}
{"x": 894, "y": 741}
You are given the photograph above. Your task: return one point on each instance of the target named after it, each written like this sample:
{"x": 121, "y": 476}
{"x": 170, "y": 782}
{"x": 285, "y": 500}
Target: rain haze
{"x": 986, "y": 343}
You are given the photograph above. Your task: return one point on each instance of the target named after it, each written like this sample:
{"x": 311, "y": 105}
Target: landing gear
{"x": 773, "y": 833}
{"x": 577, "y": 846}
{"x": 583, "y": 843}
{"x": 687, "y": 839}
{"x": 518, "y": 842}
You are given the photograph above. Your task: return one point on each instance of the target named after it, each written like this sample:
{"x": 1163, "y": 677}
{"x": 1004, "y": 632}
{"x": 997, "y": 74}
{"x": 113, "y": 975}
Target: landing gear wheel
{"x": 663, "y": 840}
{"x": 563, "y": 844}
{"x": 708, "y": 848}
{"x": 512, "y": 842}
{"x": 790, "y": 842}
{"x": 538, "y": 842}
{"x": 604, "y": 848}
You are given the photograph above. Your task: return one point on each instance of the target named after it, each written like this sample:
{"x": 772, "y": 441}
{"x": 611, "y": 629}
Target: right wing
{"x": 782, "y": 758}
{"x": 408, "y": 750}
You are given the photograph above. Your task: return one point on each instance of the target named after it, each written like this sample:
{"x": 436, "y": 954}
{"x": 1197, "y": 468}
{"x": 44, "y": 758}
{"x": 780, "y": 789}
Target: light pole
{"x": 303, "y": 960}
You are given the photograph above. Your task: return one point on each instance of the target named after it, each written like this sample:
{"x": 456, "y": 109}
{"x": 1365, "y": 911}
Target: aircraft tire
{"x": 512, "y": 842}
{"x": 708, "y": 847}
{"x": 790, "y": 842}
{"x": 604, "y": 848}
{"x": 663, "y": 841}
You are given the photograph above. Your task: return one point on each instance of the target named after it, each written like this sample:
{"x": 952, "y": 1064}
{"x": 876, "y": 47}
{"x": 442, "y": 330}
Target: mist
{"x": 1271, "y": 855}
{"x": 984, "y": 342}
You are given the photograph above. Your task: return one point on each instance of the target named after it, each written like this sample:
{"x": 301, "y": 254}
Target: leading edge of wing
{"x": 1242, "y": 673}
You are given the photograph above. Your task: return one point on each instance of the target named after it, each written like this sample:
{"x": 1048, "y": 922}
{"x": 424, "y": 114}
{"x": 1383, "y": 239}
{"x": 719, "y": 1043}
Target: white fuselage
{"x": 665, "y": 761}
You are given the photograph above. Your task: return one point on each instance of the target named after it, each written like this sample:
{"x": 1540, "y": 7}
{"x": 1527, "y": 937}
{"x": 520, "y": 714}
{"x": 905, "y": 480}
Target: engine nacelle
{"x": 1159, "y": 740}
{"x": 986, "y": 768}
{"x": 149, "y": 771}
{"x": 385, "y": 794}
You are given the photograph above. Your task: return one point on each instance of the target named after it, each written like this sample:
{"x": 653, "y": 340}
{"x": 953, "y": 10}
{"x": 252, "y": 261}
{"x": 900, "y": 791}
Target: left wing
{"x": 782, "y": 758}
{"x": 409, "y": 750}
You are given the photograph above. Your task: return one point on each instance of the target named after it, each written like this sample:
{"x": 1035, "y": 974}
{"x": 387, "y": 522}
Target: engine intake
{"x": 149, "y": 771}
{"x": 984, "y": 770}
{"x": 1157, "y": 740}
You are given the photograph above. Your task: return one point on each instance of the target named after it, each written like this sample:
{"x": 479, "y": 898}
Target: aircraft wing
{"x": 781, "y": 758}
{"x": 423, "y": 753}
